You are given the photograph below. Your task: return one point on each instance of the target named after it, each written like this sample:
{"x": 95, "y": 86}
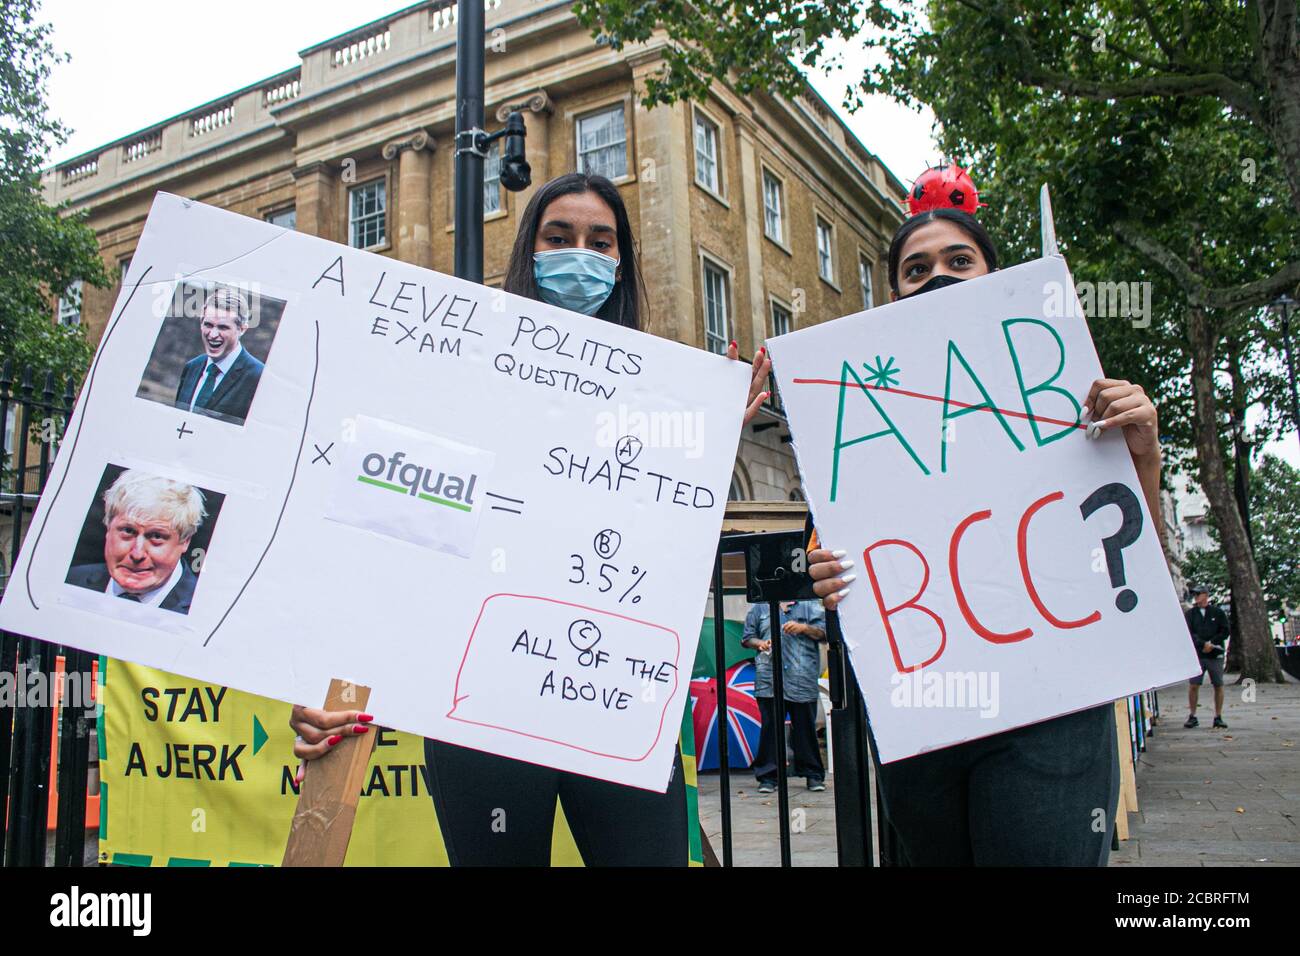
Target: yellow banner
{"x": 198, "y": 775}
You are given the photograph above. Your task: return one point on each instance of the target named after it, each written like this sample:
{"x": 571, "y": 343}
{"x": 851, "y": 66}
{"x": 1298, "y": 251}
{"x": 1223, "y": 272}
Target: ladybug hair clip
{"x": 943, "y": 187}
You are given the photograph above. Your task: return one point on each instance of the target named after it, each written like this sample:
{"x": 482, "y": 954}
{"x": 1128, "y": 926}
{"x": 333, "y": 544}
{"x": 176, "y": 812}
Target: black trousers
{"x": 1042, "y": 795}
{"x": 803, "y": 738}
{"x": 494, "y": 811}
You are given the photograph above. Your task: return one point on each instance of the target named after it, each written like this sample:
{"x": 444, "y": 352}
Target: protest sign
{"x": 198, "y": 775}
{"x": 499, "y": 515}
{"x": 1008, "y": 570}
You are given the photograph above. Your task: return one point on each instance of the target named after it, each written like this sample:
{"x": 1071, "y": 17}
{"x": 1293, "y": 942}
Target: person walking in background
{"x": 803, "y": 625}
{"x": 1209, "y": 629}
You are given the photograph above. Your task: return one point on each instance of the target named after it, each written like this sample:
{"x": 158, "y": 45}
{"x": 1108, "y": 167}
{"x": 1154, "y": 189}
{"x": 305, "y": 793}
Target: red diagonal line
{"x": 937, "y": 398}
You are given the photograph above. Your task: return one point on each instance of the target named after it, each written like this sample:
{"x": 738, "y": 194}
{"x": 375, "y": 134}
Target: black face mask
{"x": 936, "y": 282}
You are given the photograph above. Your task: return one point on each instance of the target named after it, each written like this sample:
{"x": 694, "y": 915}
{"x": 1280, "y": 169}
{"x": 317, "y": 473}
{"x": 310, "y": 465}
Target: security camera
{"x": 515, "y": 172}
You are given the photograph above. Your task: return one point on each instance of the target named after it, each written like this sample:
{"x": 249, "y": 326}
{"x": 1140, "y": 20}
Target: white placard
{"x": 499, "y": 515}
{"x": 1007, "y": 566}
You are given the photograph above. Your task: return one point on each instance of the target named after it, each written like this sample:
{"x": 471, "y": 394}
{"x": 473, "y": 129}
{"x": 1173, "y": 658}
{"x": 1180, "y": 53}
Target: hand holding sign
{"x": 942, "y": 447}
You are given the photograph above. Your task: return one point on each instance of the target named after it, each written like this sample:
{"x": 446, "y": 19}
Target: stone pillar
{"x": 664, "y": 230}
{"x": 752, "y": 210}
{"x": 316, "y": 201}
{"x": 537, "y": 109}
{"x": 414, "y": 235}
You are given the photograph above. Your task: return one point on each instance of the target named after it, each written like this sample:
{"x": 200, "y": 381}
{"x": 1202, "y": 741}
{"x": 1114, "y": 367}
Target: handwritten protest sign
{"x": 1007, "y": 567}
{"x": 499, "y": 515}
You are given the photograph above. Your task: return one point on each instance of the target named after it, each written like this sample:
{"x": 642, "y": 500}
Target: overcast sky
{"x": 129, "y": 71}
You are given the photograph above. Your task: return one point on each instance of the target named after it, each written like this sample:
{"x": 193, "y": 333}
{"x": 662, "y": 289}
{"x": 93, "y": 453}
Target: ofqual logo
{"x": 427, "y": 484}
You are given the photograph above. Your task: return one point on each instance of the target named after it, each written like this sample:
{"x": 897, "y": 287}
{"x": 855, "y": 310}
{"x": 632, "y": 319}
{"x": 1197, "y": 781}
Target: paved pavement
{"x": 1220, "y": 797}
{"x": 756, "y": 835}
{"x": 1206, "y": 797}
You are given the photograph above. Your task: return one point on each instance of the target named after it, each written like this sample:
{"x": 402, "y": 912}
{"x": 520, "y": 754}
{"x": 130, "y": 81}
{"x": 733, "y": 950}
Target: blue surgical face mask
{"x": 576, "y": 279}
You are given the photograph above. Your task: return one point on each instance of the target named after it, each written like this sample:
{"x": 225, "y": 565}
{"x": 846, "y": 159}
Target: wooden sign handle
{"x": 331, "y": 787}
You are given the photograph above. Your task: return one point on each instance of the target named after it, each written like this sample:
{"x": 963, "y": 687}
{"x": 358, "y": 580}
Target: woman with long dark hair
{"x": 1045, "y": 794}
{"x": 575, "y": 250}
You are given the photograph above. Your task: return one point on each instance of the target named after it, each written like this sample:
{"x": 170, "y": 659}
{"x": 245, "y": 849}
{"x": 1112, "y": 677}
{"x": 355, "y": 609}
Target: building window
{"x": 773, "y": 202}
{"x": 284, "y": 218}
{"x": 715, "y": 309}
{"x": 123, "y": 268}
{"x": 825, "y": 253}
{"x": 492, "y": 180}
{"x": 602, "y": 143}
{"x": 70, "y": 304}
{"x": 366, "y": 216}
{"x": 780, "y": 319}
{"x": 706, "y": 154}
{"x": 864, "y": 279}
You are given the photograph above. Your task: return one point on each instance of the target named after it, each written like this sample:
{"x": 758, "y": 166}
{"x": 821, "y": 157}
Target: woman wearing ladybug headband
{"x": 1041, "y": 795}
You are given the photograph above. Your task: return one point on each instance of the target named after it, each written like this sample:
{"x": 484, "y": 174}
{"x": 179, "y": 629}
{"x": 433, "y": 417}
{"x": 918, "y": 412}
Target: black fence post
{"x": 723, "y": 725}
{"x": 779, "y": 742}
{"x": 74, "y": 760}
{"x": 854, "y": 822}
{"x": 8, "y": 642}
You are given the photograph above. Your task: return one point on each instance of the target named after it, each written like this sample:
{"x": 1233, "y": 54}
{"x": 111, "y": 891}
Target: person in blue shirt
{"x": 803, "y": 625}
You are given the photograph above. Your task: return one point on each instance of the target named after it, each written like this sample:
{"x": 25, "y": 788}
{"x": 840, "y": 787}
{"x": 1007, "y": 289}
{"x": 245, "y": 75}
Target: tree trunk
{"x": 1240, "y": 481}
{"x": 1279, "y": 68}
{"x": 1258, "y": 659}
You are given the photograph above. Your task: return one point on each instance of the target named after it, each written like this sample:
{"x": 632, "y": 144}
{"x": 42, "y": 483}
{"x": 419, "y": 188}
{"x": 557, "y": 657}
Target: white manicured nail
{"x": 842, "y": 594}
{"x": 838, "y": 554}
{"x": 1094, "y": 429}
{"x": 848, "y": 578}
{"x": 845, "y": 565}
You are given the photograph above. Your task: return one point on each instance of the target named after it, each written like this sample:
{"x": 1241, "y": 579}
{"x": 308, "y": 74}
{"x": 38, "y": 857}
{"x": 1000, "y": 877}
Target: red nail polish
{"x": 762, "y": 350}
{"x": 358, "y": 729}
{"x": 364, "y": 718}
{"x": 334, "y": 740}
{"x": 733, "y": 344}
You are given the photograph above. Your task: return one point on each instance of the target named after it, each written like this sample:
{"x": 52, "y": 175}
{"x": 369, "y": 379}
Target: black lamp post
{"x": 1284, "y": 305}
{"x": 472, "y": 142}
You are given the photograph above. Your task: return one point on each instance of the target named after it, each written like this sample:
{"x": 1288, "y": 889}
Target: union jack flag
{"x": 744, "y": 720}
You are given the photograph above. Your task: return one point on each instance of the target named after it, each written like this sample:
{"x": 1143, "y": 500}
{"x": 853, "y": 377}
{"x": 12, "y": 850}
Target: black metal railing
{"x": 859, "y": 825}
{"x": 35, "y": 408}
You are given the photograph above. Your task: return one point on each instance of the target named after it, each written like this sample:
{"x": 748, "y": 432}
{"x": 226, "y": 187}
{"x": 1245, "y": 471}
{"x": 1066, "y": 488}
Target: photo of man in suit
{"x": 221, "y": 382}
{"x": 148, "y": 523}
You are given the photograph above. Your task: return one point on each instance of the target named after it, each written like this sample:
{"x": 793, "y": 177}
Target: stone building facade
{"x": 754, "y": 214}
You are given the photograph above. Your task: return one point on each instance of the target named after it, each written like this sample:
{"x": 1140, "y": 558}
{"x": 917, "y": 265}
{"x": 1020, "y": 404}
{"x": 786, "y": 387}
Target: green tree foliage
{"x": 1275, "y": 523}
{"x": 45, "y": 249}
{"x": 1170, "y": 134}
